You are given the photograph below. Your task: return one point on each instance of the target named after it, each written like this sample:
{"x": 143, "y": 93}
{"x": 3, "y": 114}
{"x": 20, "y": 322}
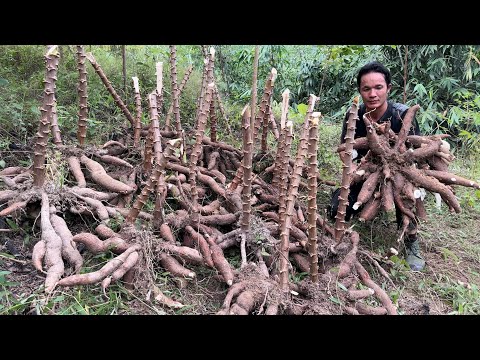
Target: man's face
{"x": 374, "y": 91}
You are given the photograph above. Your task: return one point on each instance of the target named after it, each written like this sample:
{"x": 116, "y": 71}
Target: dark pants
{"x": 352, "y": 199}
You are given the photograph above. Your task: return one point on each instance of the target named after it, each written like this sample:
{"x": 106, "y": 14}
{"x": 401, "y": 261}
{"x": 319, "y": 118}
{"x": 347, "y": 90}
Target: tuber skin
{"x": 220, "y": 263}
{"x": 69, "y": 249}
{"x": 97, "y": 246}
{"x": 12, "y": 170}
{"x": 403, "y": 163}
{"x": 368, "y": 189}
{"x": 74, "y": 165}
{"x": 184, "y": 252}
{"x": 128, "y": 265}
{"x": 349, "y": 261}
{"x": 99, "y": 275}
{"x": 97, "y": 195}
{"x": 96, "y": 205}
{"x": 100, "y": 176}
{"x": 166, "y": 233}
{"x": 170, "y": 264}
{"x": 53, "y": 245}
{"x": 202, "y": 245}
{"x": 364, "y": 309}
{"x": 13, "y": 207}
{"x": 379, "y": 292}
{"x": 38, "y": 253}
{"x": 113, "y": 160}
{"x": 104, "y": 231}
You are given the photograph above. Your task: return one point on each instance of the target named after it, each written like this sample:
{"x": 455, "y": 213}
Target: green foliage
{"x": 188, "y": 99}
{"x": 448, "y": 255}
{"x": 443, "y": 79}
{"x": 7, "y": 299}
{"x": 116, "y": 223}
{"x": 464, "y": 298}
{"x": 329, "y": 163}
{"x": 297, "y": 277}
{"x": 233, "y": 257}
{"x": 22, "y": 70}
{"x": 82, "y": 300}
{"x": 20, "y": 90}
{"x": 470, "y": 199}
{"x": 85, "y": 301}
{"x": 330, "y": 74}
{"x": 400, "y": 269}
{"x": 302, "y": 109}
{"x": 235, "y": 65}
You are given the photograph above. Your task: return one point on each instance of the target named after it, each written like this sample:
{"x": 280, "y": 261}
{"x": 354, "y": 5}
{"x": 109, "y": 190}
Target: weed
{"x": 463, "y": 297}
{"x": 7, "y": 300}
{"x": 297, "y": 277}
{"x": 233, "y": 257}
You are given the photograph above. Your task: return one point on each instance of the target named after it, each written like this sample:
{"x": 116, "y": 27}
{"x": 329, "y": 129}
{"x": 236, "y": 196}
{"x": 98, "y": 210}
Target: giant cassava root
{"x": 397, "y": 170}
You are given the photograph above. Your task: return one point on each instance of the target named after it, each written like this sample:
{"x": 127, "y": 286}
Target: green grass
{"x": 463, "y": 298}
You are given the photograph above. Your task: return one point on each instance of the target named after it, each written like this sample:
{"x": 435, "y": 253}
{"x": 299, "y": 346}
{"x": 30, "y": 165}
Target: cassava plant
{"x": 248, "y": 141}
{"x": 292, "y": 196}
{"x": 347, "y": 171}
{"x": 282, "y": 160}
{"x": 312, "y": 196}
{"x": 56, "y": 135}
{"x": 51, "y": 58}
{"x": 277, "y": 164}
{"x": 213, "y": 121}
{"x": 82, "y": 96}
{"x": 197, "y": 149}
{"x": 159, "y": 88}
{"x": 219, "y": 102}
{"x": 247, "y": 175}
{"x": 110, "y": 89}
{"x": 264, "y": 103}
{"x": 399, "y": 168}
{"x": 138, "y": 116}
{"x": 186, "y": 76}
{"x": 175, "y": 91}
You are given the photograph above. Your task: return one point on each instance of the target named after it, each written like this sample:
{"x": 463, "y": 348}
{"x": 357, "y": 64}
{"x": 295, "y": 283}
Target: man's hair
{"x": 377, "y": 67}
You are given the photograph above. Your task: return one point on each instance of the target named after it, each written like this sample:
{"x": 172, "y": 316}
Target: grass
{"x": 464, "y": 298}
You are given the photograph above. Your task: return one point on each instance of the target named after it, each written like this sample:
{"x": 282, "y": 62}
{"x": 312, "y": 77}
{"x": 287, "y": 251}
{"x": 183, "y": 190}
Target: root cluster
{"x": 181, "y": 204}
{"x": 398, "y": 170}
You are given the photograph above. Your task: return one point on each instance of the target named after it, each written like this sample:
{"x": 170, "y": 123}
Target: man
{"x": 374, "y": 85}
